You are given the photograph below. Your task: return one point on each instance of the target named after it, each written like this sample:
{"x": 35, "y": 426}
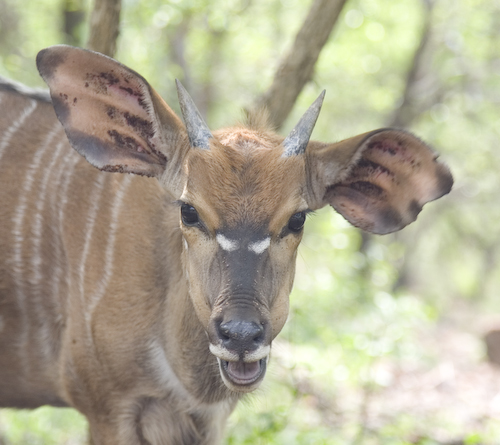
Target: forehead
{"x": 243, "y": 179}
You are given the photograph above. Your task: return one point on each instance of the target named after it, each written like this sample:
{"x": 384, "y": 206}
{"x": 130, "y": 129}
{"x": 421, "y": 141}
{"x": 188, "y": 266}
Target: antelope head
{"x": 243, "y": 192}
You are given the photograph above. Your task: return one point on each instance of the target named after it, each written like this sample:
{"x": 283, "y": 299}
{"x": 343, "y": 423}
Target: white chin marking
{"x": 259, "y": 247}
{"x": 227, "y": 244}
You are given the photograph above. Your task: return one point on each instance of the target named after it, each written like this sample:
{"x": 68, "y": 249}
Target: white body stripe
{"x": 18, "y": 241}
{"x": 36, "y": 259}
{"x": 65, "y": 166}
{"x": 89, "y": 229}
{"x": 259, "y": 247}
{"x": 227, "y": 244}
{"x": 69, "y": 166}
{"x": 110, "y": 248}
{"x": 7, "y": 136}
{"x": 45, "y": 338}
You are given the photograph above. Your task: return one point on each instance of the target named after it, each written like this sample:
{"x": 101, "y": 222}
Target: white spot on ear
{"x": 258, "y": 247}
{"x": 226, "y": 243}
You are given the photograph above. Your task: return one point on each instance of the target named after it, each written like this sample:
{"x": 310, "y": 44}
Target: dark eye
{"x": 296, "y": 222}
{"x": 189, "y": 215}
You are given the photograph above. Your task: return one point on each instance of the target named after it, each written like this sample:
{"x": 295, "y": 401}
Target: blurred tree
{"x": 74, "y": 12}
{"x": 416, "y": 89}
{"x": 297, "y": 67}
{"x": 104, "y": 26}
{"x": 9, "y": 25}
{"x": 203, "y": 94}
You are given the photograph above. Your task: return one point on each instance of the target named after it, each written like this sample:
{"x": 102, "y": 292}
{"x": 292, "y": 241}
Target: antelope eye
{"x": 189, "y": 215}
{"x": 296, "y": 222}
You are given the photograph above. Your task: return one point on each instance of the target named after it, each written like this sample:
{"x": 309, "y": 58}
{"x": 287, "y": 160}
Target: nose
{"x": 241, "y": 336}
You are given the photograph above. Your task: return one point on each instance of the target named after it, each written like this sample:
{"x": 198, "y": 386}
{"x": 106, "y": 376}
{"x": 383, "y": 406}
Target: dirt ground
{"x": 454, "y": 398}
{"x": 451, "y": 398}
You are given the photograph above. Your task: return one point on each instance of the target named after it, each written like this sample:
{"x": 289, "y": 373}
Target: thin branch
{"x": 73, "y": 19}
{"x": 296, "y": 69}
{"x": 104, "y": 26}
{"x": 409, "y": 109}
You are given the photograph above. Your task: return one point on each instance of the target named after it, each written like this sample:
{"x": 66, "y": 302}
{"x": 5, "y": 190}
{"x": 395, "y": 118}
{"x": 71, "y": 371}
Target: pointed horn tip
{"x": 180, "y": 87}
{"x": 296, "y": 142}
{"x": 198, "y": 131}
{"x": 320, "y": 98}
{"x": 315, "y": 107}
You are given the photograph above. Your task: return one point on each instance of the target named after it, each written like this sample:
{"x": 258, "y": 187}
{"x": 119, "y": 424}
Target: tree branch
{"x": 297, "y": 67}
{"x": 73, "y": 19}
{"x": 104, "y": 26}
{"x": 411, "y": 103}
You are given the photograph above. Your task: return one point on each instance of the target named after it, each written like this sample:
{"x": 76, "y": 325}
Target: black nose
{"x": 241, "y": 336}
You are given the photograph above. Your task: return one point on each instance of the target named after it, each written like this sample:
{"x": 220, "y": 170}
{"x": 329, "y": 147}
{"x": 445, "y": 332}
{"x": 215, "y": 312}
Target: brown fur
{"x": 70, "y": 366}
{"x": 107, "y": 298}
{"x": 240, "y": 191}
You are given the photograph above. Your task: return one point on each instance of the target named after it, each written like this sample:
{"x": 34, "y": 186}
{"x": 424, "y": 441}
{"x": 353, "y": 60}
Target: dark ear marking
{"x": 391, "y": 176}
{"x": 110, "y": 113}
{"x": 414, "y": 208}
{"x": 48, "y": 61}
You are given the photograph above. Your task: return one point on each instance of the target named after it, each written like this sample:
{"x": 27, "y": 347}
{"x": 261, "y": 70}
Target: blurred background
{"x": 384, "y": 343}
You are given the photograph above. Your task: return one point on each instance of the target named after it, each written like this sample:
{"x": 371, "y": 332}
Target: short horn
{"x": 198, "y": 131}
{"x": 296, "y": 142}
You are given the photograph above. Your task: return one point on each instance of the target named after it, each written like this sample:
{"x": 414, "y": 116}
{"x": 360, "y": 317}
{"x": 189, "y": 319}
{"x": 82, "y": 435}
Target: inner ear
{"x": 392, "y": 174}
{"x": 109, "y": 112}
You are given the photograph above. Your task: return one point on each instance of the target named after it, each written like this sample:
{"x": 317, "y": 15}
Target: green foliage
{"x": 361, "y": 307}
{"x": 43, "y": 426}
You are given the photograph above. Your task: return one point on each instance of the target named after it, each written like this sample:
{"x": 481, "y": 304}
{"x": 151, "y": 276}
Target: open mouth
{"x": 243, "y": 374}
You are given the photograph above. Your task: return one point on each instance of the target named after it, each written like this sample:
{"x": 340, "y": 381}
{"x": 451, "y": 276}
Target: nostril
{"x": 257, "y": 335}
{"x": 241, "y": 332}
{"x": 258, "y": 340}
{"x": 224, "y": 332}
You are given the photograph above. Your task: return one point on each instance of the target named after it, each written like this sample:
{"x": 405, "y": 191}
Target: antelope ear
{"x": 378, "y": 181}
{"x": 110, "y": 113}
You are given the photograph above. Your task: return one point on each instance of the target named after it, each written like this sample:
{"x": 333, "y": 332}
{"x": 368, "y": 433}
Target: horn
{"x": 296, "y": 142}
{"x": 197, "y": 129}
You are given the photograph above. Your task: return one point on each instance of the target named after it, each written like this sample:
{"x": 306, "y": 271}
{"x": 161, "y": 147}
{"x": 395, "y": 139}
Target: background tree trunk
{"x": 202, "y": 93}
{"x": 420, "y": 90}
{"x": 104, "y": 26}
{"x": 73, "y": 21}
{"x": 296, "y": 69}
{"x": 9, "y": 27}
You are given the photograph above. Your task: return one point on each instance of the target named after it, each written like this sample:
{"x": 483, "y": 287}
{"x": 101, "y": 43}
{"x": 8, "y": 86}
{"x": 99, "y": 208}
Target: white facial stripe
{"x": 223, "y": 353}
{"x": 229, "y": 356}
{"x": 258, "y": 354}
{"x": 259, "y": 246}
{"x": 227, "y": 244}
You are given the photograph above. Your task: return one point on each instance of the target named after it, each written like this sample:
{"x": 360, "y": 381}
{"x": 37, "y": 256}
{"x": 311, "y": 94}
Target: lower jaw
{"x": 238, "y": 384}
